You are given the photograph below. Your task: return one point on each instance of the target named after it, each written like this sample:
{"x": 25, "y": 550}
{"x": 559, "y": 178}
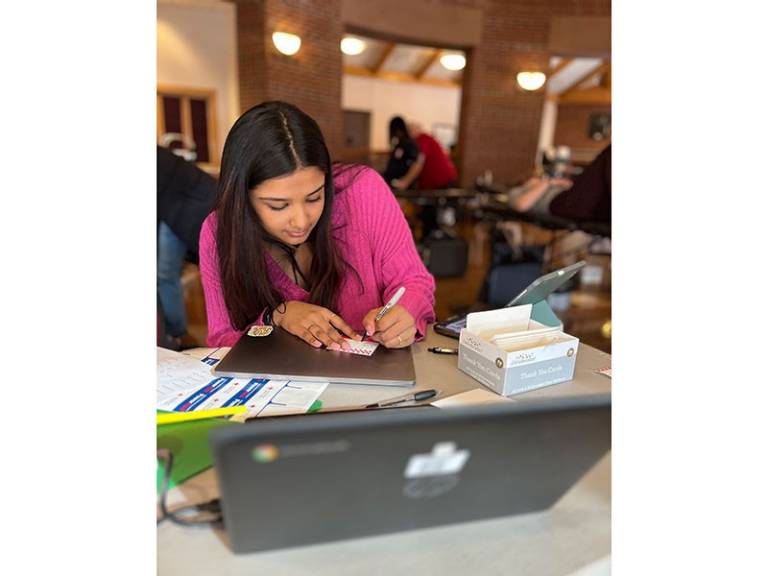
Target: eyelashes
{"x": 284, "y": 206}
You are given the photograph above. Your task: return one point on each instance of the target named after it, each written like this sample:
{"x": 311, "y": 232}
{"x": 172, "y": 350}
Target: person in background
{"x": 304, "y": 245}
{"x": 405, "y": 160}
{"x": 585, "y": 198}
{"x": 185, "y": 195}
{"x": 536, "y": 193}
{"x": 590, "y": 197}
{"x": 436, "y": 172}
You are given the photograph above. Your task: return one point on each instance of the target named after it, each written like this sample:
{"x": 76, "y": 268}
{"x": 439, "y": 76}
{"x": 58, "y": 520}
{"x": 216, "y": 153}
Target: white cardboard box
{"x": 510, "y": 353}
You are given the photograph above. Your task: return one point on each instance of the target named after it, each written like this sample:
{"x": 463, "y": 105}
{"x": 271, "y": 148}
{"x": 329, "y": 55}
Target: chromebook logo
{"x": 265, "y": 453}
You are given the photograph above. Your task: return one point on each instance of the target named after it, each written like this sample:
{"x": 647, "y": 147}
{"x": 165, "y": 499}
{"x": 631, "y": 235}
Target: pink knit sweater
{"x": 373, "y": 238}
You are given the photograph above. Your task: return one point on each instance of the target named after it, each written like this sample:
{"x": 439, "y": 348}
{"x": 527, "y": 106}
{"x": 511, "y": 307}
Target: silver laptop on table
{"x": 282, "y": 356}
{"x": 297, "y": 480}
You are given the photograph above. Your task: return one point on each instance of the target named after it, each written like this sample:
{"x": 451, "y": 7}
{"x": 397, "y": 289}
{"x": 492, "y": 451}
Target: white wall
{"x": 421, "y": 103}
{"x": 548, "y": 125}
{"x": 197, "y": 48}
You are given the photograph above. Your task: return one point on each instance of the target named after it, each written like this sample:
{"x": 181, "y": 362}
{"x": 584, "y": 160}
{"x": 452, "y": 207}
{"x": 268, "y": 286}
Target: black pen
{"x": 441, "y": 350}
{"x": 414, "y": 397}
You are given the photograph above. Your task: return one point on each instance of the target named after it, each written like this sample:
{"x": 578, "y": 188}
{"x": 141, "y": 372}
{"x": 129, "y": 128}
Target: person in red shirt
{"x": 438, "y": 171}
{"x": 434, "y": 170}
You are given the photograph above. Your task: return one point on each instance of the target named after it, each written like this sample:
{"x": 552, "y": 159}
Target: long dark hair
{"x": 270, "y": 140}
{"x": 398, "y": 129}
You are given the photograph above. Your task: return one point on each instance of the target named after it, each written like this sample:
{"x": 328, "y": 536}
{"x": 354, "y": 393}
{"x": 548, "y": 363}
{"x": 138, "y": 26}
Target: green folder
{"x": 188, "y": 442}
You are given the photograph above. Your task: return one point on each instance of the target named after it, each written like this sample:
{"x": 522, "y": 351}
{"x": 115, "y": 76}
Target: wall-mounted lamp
{"x": 453, "y": 61}
{"x": 352, "y": 46}
{"x": 286, "y": 43}
{"x": 531, "y": 80}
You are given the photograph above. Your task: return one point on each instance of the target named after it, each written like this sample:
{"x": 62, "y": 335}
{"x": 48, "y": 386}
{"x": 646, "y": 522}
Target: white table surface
{"x": 440, "y": 371}
{"x": 573, "y": 537}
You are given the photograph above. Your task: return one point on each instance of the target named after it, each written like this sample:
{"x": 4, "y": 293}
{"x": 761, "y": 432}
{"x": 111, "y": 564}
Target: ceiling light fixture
{"x": 352, "y": 46}
{"x": 286, "y": 43}
{"x": 531, "y": 80}
{"x": 453, "y": 61}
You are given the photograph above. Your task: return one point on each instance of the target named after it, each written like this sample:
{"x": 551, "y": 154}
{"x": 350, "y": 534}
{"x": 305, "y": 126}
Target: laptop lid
{"x": 292, "y": 481}
{"x": 282, "y": 356}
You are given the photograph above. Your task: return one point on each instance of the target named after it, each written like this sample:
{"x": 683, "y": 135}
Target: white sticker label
{"x": 444, "y": 459}
{"x": 365, "y": 348}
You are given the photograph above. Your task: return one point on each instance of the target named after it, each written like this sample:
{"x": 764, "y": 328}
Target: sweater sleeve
{"x": 220, "y": 329}
{"x": 393, "y": 250}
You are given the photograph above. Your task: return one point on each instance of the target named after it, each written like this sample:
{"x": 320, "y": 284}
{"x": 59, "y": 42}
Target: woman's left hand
{"x": 397, "y": 329}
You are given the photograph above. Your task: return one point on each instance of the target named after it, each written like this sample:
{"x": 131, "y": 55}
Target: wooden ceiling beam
{"x": 428, "y": 64}
{"x": 559, "y": 66}
{"x": 403, "y": 77}
{"x": 383, "y": 58}
{"x": 593, "y": 96}
{"x": 358, "y": 71}
{"x": 605, "y": 81}
{"x": 441, "y": 82}
{"x": 400, "y": 77}
{"x": 574, "y": 86}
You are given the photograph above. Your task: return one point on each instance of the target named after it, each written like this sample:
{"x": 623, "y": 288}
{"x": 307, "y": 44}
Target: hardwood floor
{"x": 587, "y": 316}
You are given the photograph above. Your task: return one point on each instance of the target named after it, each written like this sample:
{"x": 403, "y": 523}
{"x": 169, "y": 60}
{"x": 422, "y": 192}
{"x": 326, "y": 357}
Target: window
{"x": 185, "y": 119}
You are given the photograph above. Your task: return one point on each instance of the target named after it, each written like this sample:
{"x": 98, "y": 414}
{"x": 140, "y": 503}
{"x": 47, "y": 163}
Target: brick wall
{"x": 499, "y": 122}
{"x": 251, "y": 53}
{"x": 310, "y": 79}
{"x": 572, "y": 127}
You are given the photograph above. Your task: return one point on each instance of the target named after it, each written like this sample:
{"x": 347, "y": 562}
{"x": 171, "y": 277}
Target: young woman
{"x": 298, "y": 243}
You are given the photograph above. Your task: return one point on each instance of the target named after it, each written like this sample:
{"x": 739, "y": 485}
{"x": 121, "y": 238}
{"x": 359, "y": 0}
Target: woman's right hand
{"x": 314, "y": 324}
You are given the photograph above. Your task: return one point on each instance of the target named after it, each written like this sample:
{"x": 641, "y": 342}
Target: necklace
{"x": 290, "y": 253}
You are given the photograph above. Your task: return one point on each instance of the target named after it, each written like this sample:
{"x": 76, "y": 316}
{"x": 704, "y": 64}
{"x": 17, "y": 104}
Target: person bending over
{"x": 405, "y": 160}
{"x": 308, "y": 246}
{"x": 185, "y": 195}
{"x": 437, "y": 170}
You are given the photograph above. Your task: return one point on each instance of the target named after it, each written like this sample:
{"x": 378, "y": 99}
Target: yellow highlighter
{"x": 174, "y": 417}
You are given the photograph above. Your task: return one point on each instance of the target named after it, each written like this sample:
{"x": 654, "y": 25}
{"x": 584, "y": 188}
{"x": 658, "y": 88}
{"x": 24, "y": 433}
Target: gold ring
{"x": 399, "y": 339}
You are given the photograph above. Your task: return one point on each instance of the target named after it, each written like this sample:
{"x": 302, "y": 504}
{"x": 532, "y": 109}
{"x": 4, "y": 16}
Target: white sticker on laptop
{"x": 444, "y": 459}
{"x": 364, "y": 348}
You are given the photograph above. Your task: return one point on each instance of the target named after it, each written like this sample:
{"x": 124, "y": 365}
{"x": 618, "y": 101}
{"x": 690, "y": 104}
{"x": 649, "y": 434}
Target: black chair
{"x": 445, "y": 255}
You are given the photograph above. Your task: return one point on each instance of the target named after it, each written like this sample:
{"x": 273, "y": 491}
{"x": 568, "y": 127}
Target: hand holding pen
{"x": 392, "y": 325}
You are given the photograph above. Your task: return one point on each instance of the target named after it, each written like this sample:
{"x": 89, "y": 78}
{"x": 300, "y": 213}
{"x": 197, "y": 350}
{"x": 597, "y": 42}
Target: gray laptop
{"x": 297, "y": 480}
{"x": 282, "y": 356}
